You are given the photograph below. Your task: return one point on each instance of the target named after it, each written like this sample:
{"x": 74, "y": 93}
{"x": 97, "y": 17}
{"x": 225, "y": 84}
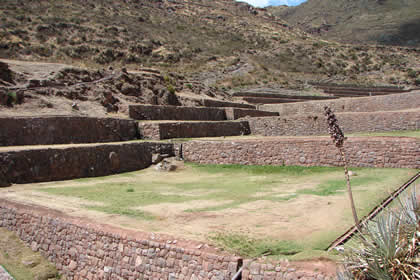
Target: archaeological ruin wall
{"x": 17, "y": 131}
{"x": 402, "y": 152}
{"x": 315, "y": 124}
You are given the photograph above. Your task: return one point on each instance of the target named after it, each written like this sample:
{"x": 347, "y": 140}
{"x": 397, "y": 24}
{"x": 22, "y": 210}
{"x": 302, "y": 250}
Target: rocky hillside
{"x": 220, "y": 44}
{"x": 389, "y": 22}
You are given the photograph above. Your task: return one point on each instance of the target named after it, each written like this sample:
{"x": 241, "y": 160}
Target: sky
{"x": 264, "y": 3}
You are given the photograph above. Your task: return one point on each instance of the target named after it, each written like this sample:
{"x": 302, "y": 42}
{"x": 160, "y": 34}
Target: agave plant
{"x": 390, "y": 247}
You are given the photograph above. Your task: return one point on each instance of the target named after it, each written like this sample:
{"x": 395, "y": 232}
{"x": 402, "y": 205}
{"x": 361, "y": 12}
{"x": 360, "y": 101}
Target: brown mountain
{"x": 389, "y": 22}
{"x": 218, "y": 43}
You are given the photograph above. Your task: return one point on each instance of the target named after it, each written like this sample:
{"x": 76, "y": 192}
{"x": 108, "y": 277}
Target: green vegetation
{"x": 250, "y": 247}
{"x": 203, "y": 189}
{"x": 21, "y": 262}
{"x": 387, "y": 248}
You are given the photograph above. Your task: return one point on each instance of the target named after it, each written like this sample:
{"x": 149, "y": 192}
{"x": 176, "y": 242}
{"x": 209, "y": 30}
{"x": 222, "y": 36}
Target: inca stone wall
{"x": 167, "y": 130}
{"x": 361, "y": 152}
{"x": 40, "y": 164}
{"x": 235, "y": 113}
{"x": 82, "y": 249}
{"x": 392, "y": 102}
{"x": 64, "y": 129}
{"x": 156, "y": 112}
{"x": 311, "y": 124}
{"x": 85, "y": 250}
{"x": 218, "y": 103}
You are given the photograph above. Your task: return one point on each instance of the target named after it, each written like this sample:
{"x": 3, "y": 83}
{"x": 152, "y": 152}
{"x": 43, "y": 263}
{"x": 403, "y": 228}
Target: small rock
{"x": 351, "y": 173}
{"x": 30, "y": 263}
{"x": 156, "y": 158}
{"x": 199, "y": 246}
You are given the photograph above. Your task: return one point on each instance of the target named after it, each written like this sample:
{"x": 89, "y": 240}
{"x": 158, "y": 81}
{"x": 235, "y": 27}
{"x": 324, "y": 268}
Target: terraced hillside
{"x": 221, "y": 43}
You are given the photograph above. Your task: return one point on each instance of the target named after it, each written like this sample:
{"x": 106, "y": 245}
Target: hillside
{"x": 389, "y": 22}
{"x": 221, "y": 44}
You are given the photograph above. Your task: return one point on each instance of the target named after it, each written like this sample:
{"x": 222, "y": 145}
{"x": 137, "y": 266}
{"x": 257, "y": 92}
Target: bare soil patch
{"x": 194, "y": 203}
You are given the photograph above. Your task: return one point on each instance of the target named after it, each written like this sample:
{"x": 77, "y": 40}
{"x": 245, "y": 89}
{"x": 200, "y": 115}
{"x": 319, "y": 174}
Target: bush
{"x": 389, "y": 247}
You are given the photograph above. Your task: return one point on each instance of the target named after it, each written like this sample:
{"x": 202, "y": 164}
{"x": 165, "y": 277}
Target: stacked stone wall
{"x": 63, "y": 130}
{"x": 392, "y": 102}
{"x": 311, "y": 124}
{"x": 234, "y": 113}
{"x": 157, "y": 112}
{"x": 401, "y": 152}
{"x": 218, "y": 103}
{"x": 83, "y": 250}
{"x": 78, "y": 161}
{"x": 168, "y": 130}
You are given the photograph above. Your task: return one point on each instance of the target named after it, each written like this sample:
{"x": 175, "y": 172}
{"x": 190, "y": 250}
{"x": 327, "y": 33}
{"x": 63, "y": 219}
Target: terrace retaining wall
{"x": 77, "y": 161}
{"x": 167, "y": 130}
{"x": 218, "y": 103}
{"x": 160, "y": 112}
{"x": 393, "y": 102}
{"x": 82, "y": 249}
{"x": 63, "y": 130}
{"x": 296, "y": 125}
{"x": 395, "y": 152}
{"x": 235, "y": 113}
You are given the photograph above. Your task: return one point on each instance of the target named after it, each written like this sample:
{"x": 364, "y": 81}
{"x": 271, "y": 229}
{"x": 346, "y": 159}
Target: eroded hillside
{"x": 219, "y": 43}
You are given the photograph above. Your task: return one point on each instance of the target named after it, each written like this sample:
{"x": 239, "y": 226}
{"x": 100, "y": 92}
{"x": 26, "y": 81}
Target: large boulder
{"x": 5, "y": 73}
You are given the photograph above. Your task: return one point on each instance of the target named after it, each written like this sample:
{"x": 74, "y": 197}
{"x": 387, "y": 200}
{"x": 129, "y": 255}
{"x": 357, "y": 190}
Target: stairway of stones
{"x": 355, "y": 91}
{"x": 38, "y": 149}
{"x": 259, "y": 97}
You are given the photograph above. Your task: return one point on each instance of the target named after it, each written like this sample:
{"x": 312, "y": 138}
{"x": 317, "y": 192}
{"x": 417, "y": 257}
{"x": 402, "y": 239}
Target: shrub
{"x": 390, "y": 246}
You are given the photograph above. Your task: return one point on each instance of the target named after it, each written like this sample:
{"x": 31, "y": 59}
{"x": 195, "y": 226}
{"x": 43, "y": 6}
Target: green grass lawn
{"x": 260, "y": 195}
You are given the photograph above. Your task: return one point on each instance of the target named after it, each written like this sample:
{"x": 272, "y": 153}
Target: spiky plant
{"x": 338, "y": 138}
{"x": 390, "y": 248}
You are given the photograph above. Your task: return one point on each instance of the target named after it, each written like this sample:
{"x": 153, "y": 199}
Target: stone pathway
{"x": 4, "y": 275}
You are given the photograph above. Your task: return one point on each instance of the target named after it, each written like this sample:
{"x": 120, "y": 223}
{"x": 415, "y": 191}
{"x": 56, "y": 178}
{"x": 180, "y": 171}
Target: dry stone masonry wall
{"x": 297, "y": 125}
{"x": 82, "y": 249}
{"x": 361, "y": 152}
{"x": 64, "y": 130}
{"x": 392, "y": 102}
{"x": 77, "y": 161}
{"x": 167, "y": 130}
{"x": 155, "y": 112}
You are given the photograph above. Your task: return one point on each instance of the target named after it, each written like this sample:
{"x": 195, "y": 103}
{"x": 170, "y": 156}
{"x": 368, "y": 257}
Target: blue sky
{"x": 264, "y": 3}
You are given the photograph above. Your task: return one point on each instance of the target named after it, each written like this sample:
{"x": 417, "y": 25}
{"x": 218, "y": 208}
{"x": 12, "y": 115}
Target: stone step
{"x": 316, "y": 124}
{"x": 218, "y": 103}
{"x": 383, "y": 152}
{"x": 167, "y": 130}
{"x": 391, "y": 102}
{"x": 16, "y": 131}
{"x": 281, "y": 96}
{"x": 183, "y": 113}
{"x": 162, "y": 112}
{"x": 344, "y": 92}
{"x": 264, "y": 100}
{"x": 30, "y": 164}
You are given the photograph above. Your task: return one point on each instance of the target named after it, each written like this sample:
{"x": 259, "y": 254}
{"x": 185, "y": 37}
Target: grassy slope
{"x": 393, "y": 22}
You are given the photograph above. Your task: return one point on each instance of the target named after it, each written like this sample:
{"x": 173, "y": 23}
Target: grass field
{"x": 251, "y": 210}
{"x": 21, "y": 262}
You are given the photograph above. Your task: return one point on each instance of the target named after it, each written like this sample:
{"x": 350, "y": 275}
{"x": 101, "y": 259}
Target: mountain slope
{"x": 390, "y": 22}
{"x": 221, "y": 43}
